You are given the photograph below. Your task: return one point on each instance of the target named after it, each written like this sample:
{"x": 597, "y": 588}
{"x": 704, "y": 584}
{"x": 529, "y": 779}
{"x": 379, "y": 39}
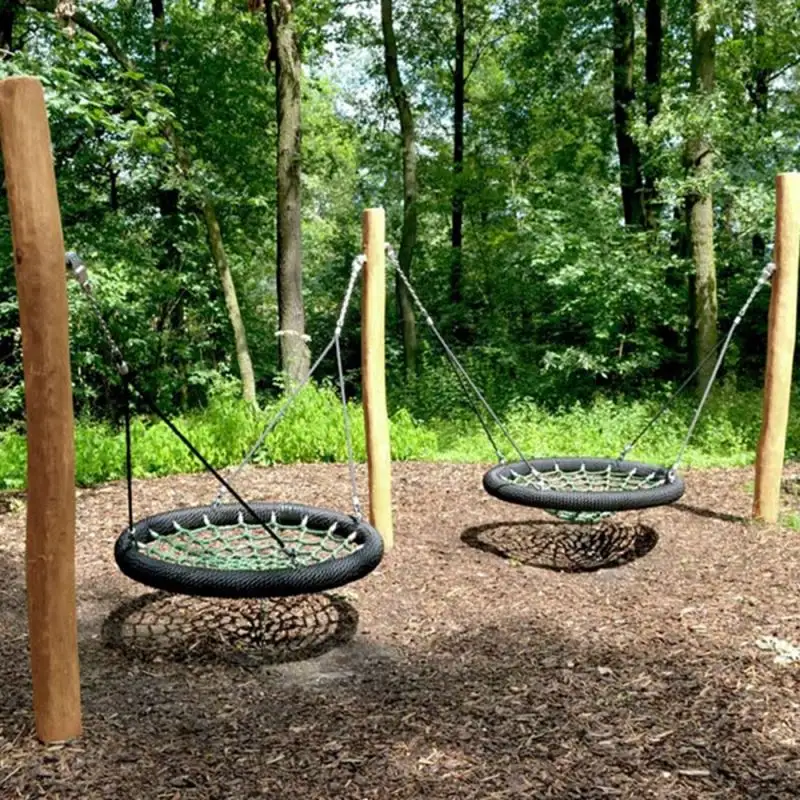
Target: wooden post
{"x": 780, "y": 349}
{"x": 41, "y": 288}
{"x": 373, "y": 374}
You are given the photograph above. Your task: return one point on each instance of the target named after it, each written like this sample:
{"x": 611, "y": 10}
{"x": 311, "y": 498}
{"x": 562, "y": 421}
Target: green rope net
{"x": 584, "y": 480}
{"x": 244, "y": 546}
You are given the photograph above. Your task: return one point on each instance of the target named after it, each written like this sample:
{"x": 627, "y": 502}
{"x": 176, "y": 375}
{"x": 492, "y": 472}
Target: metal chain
{"x": 78, "y": 268}
{"x": 461, "y": 373}
{"x": 81, "y": 274}
{"x": 668, "y": 402}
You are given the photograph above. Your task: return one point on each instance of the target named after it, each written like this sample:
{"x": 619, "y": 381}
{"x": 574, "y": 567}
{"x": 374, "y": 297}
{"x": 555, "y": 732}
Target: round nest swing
{"x": 222, "y": 551}
{"x": 583, "y": 489}
{"x": 243, "y": 550}
{"x": 575, "y": 489}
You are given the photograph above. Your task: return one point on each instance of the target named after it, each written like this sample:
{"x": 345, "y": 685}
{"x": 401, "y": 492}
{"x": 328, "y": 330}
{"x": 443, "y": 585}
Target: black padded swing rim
{"x": 241, "y": 584}
{"x": 496, "y": 482}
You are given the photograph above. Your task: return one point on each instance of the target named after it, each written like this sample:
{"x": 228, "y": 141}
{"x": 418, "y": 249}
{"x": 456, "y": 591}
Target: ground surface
{"x": 462, "y": 668}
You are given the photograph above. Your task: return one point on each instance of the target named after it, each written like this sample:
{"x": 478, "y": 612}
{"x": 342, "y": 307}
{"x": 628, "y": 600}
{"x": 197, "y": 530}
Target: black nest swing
{"x": 243, "y": 550}
{"x": 582, "y": 489}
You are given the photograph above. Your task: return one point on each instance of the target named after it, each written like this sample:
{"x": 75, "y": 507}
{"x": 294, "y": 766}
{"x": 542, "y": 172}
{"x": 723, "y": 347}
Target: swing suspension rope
{"x": 565, "y": 477}
{"x": 334, "y": 344}
{"x": 461, "y": 373}
{"x": 720, "y": 348}
{"x": 82, "y": 275}
{"x": 189, "y": 549}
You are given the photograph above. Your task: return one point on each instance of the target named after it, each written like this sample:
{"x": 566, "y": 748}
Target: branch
{"x": 783, "y": 70}
{"x": 122, "y": 58}
{"x": 99, "y": 33}
{"x": 479, "y": 51}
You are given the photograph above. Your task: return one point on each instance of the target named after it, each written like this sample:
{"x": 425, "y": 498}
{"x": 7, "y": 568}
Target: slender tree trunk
{"x": 654, "y": 34}
{"x": 168, "y": 205}
{"x": 630, "y": 174}
{"x": 285, "y": 55}
{"x": 699, "y": 206}
{"x": 459, "y": 85}
{"x": 7, "y": 9}
{"x": 231, "y": 302}
{"x": 408, "y": 237}
{"x": 760, "y": 74}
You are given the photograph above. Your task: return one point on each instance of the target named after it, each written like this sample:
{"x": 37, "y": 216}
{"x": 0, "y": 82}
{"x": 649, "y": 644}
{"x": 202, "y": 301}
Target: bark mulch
{"x": 496, "y": 653}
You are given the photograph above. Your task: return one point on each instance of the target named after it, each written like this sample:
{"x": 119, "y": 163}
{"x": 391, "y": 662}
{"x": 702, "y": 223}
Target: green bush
{"x": 312, "y": 431}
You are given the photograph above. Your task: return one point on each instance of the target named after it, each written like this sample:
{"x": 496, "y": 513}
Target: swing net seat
{"x": 245, "y": 549}
{"x": 223, "y": 551}
{"x": 583, "y": 489}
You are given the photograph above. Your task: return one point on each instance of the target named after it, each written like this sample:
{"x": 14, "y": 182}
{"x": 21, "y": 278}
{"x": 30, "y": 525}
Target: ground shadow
{"x": 710, "y": 513}
{"x": 162, "y": 626}
{"x": 562, "y": 546}
{"x": 517, "y": 710}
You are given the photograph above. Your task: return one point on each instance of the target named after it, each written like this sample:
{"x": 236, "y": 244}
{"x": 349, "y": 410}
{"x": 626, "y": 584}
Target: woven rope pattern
{"x": 244, "y": 546}
{"x": 584, "y": 480}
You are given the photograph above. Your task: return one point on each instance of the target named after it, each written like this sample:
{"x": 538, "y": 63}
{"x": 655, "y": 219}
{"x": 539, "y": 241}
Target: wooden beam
{"x": 373, "y": 374}
{"x": 780, "y": 349}
{"x": 41, "y": 288}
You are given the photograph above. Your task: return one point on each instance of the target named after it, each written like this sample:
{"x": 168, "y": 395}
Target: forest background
{"x": 582, "y": 192}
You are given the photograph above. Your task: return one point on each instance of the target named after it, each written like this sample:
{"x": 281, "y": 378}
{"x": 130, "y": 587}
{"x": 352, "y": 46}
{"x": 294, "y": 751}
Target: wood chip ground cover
{"x": 496, "y": 653}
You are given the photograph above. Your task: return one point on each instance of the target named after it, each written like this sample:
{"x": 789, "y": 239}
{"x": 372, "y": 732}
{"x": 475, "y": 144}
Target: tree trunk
{"x": 285, "y": 55}
{"x": 654, "y": 34}
{"x": 459, "y": 85}
{"x": 699, "y": 207}
{"x": 408, "y": 237}
{"x": 168, "y": 206}
{"x": 7, "y": 8}
{"x": 630, "y": 174}
{"x": 757, "y": 83}
{"x": 231, "y": 302}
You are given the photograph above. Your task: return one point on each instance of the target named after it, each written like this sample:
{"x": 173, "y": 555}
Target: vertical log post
{"x": 780, "y": 349}
{"x": 373, "y": 374}
{"x": 41, "y": 288}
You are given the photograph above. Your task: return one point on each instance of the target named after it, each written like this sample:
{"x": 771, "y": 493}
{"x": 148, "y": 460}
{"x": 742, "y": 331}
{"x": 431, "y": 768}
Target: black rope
{"x": 79, "y": 270}
{"x": 128, "y": 449}
{"x": 669, "y": 401}
{"x": 202, "y": 459}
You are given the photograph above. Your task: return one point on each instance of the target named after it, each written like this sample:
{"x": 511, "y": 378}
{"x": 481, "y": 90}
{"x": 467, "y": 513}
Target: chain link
{"x": 81, "y": 274}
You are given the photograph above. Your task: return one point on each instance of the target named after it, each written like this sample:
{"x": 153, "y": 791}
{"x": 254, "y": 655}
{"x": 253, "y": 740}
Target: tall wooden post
{"x": 373, "y": 374}
{"x": 780, "y": 349}
{"x": 41, "y": 288}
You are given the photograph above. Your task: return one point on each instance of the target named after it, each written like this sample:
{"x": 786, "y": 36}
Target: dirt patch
{"x": 627, "y": 667}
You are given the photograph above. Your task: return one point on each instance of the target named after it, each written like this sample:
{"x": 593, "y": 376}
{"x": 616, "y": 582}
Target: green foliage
{"x": 312, "y": 431}
{"x": 570, "y": 323}
{"x": 790, "y": 520}
{"x": 726, "y": 436}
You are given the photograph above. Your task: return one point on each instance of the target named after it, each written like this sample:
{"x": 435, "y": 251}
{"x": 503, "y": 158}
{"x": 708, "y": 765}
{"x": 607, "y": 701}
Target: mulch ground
{"x": 495, "y": 653}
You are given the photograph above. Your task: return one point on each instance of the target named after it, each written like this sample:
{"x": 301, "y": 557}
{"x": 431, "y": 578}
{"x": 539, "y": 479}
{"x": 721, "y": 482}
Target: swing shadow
{"x": 563, "y": 546}
{"x": 159, "y": 626}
